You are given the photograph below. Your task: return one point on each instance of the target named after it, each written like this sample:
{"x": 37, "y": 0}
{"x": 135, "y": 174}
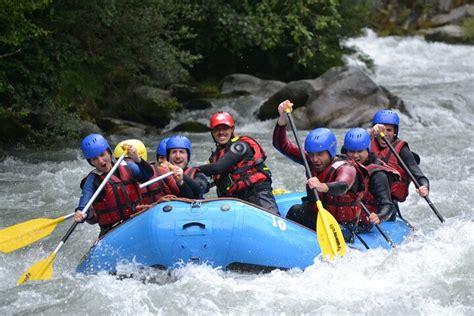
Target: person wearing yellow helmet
{"x": 121, "y": 196}
{"x": 138, "y": 144}
{"x": 155, "y": 191}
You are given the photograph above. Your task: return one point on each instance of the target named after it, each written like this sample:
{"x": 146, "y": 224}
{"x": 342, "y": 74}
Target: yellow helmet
{"x": 138, "y": 144}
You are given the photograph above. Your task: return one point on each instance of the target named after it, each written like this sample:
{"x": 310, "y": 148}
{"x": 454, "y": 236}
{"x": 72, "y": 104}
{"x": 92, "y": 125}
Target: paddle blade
{"x": 42, "y": 270}
{"x": 23, "y": 234}
{"x": 330, "y": 238}
{"x": 279, "y": 191}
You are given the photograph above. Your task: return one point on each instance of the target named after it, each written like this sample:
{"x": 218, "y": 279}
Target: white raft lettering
{"x": 278, "y": 222}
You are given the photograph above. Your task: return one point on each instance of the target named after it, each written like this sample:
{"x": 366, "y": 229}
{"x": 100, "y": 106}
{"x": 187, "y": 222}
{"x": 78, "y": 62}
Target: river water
{"x": 430, "y": 274}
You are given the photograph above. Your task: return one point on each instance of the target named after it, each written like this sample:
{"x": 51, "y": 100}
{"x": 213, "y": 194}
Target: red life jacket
{"x": 190, "y": 172}
{"x": 245, "y": 173}
{"x": 369, "y": 199}
{"x": 121, "y": 196}
{"x": 154, "y": 191}
{"x": 399, "y": 189}
{"x": 345, "y": 208}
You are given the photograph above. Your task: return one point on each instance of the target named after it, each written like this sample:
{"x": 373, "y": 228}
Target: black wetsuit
{"x": 259, "y": 193}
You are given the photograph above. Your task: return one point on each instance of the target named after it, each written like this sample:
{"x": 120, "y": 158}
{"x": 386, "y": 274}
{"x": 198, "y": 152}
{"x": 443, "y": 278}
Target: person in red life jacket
{"x": 377, "y": 197}
{"x": 178, "y": 149}
{"x": 339, "y": 182}
{"x": 155, "y": 191}
{"x": 388, "y": 122}
{"x": 161, "y": 151}
{"x": 121, "y": 196}
{"x": 237, "y": 165}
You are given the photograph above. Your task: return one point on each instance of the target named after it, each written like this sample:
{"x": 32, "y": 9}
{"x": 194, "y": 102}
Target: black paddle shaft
{"x": 303, "y": 156}
{"x": 366, "y": 211}
{"x": 417, "y": 185}
{"x": 69, "y": 231}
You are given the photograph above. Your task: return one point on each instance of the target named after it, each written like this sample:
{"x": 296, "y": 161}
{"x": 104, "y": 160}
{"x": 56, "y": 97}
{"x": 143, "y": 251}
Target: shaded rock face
{"x": 197, "y": 104}
{"x": 455, "y": 16}
{"x": 12, "y": 129}
{"x": 183, "y": 92}
{"x": 192, "y": 127}
{"x": 147, "y": 105}
{"x": 131, "y": 129}
{"x": 452, "y": 34}
{"x": 340, "y": 98}
{"x": 448, "y": 28}
{"x": 297, "y": 91}
{"x": 246, "y": 84}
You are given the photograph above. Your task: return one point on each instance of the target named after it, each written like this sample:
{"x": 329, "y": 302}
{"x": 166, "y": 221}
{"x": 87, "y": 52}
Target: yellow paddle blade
{"x": 330, "y": 238}
{"x": 23, "y": 234}
{"x": 41, "y": 270}
{"x": 279, "y": 191}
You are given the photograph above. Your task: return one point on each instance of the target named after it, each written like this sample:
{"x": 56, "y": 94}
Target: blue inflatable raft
{"x": 226, "y": 233}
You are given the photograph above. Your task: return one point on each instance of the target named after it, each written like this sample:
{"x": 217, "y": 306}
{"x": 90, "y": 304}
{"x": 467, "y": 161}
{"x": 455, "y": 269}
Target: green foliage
{"x": 16, "y": 21}
{"x": 65, "y": 60}
{"x": 273, "y": 38}
{"x": 208, "y": 88}
{"x": 68, "y": 58}
{"x": 469, "y": 29}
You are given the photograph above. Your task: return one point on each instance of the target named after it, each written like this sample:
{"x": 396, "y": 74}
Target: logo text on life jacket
{"x": 338, "y": 242}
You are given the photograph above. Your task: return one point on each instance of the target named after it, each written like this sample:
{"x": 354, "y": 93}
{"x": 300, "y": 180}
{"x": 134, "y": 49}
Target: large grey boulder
{"x": 111, "y": 125}
{"x": 455, "y": 16}
{"x": 453, "y": 34}
{"x": 340, "y": 98}
{"x": 247, "y": 84}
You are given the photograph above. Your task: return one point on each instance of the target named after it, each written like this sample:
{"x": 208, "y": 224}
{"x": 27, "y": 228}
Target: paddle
{"x": 43, "y": 269}
{"x": 367, "y": 212}
{"x": 23, "y": 234}
{"x": 330, "y": 238}
{"x": 417, "y": 185}
{"x": 145, "y": 184}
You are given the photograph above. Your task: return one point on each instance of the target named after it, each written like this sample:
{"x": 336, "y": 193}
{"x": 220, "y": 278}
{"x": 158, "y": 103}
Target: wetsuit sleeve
{"x": 186, "y": 191}
{"x": 345, "y": 179}
{"x": 379, "y": 186}
{"x": 410, "y": 161}
{"x": 199, "y": 185}
{"x": 142, "y": 170}
{"x": 229, "y": 159}
{"x": 88, "y": 190}
{"x": 285, "y": 146}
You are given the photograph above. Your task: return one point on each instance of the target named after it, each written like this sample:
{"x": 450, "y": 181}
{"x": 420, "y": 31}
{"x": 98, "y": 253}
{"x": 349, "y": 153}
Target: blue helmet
{"x": 321, "y": 139}
{"x": 179, "y": 141}
{"x": 386, "y": 117}
{"x": 93, "y": 145}
{"x": 357, "y": 139}
{"x": 161, "y": 149}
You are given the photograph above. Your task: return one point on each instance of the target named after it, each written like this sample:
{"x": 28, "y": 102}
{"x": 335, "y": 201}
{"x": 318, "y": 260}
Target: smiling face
{"x": 179, "y": 157}
{"x": 222, "y": 134}
{"x": 320, "y": 160}
{"x": 103, "y": 162}
{"x": 361, "y": 156}
{"x": 390, "y": 133}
